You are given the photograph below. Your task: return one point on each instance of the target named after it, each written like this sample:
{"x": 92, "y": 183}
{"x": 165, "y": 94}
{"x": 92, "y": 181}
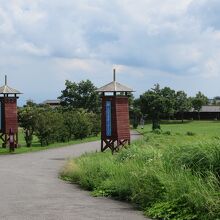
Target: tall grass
{"x": 165, "y": 180}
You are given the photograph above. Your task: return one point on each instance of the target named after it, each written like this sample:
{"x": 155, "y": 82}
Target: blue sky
{"x": 173, "y": 43}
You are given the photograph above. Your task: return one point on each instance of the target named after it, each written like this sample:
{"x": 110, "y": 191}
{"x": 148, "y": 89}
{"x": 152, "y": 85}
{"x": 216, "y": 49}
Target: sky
{"x": 173, "y": 43}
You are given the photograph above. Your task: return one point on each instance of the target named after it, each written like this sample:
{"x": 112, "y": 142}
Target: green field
{"x": 169, "y": 174}
{"x": 209, "y": 128}
{"x": 36, "y": 146}
{"x": 202, "y": 131}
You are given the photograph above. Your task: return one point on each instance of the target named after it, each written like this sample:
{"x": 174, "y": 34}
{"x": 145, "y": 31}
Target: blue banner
{"x": 108, "y": 118}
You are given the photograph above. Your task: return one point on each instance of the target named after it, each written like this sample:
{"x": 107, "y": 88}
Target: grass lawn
{"x": 37, "y": 147}
{"x": 201, "y": 131}
{"x": 207, "y": 128}
{"x": 169, "y": 174}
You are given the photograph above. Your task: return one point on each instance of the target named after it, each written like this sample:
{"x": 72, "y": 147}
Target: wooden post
{"x": 16, "y": 145}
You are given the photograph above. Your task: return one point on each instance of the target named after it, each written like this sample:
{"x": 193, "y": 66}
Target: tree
{"x": 83, "y": 124}
{"x": 28, "y": 120}
{"x": 152, "y": 103}
{"x": 135, "y": 113}
{"x": 30, "y": 103}
{"x": 49, "y": 126}
{"x": 183, "y": 104}
{"x": 69, "y": 117}
{"x": 169, "y": 96}
{"x": 198, "y": 102}
{"x": 80, "y": 95}
{"x": 96, "y": 123}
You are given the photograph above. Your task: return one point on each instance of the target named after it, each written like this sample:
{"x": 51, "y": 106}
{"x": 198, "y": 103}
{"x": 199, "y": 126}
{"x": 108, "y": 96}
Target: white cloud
{"x": 149, "y": 40}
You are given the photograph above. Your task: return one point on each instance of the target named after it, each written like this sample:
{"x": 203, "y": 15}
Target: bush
{"x": 149, "y": 189}
{"x": 95, "y": 123}
{"x": 177, "y": 209}
{"x": 43, "y": 128}
{"x": 190, "y": 133}
{"x": 82, "y": 125}
{"x": 59, "y": 125}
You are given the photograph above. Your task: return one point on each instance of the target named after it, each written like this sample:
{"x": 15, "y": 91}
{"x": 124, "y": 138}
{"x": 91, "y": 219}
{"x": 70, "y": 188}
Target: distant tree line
{"x": 78, "y": 116}
{"x": 163, "y": 103}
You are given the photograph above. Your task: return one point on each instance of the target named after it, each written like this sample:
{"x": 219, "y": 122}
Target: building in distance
{"x": 52, "y": 103}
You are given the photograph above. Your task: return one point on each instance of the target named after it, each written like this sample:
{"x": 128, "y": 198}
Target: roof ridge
{"x": 5, "y": 89}
{"x": 114, "y": 87}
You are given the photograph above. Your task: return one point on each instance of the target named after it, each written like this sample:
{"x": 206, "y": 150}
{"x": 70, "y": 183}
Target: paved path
{"x": 31, "y": 190}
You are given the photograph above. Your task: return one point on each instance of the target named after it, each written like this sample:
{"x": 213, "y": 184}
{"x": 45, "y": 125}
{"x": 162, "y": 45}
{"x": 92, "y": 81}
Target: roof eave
{"x": 113, "y": 87}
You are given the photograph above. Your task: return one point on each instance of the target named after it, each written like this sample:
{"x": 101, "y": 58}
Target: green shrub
{"x": 95, "y": 123}
{"x": 80, "y": 124}
{"x": 190, "y": 133}
{"x": 149, "y": 189}
{"x": 83, "y": 126}
{"x": 177, "y": 209}
{"x": 48, "y": 126}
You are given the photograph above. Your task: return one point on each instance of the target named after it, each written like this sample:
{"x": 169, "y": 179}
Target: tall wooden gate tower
{"x": 8, "y": 114}
{"x": 115, "y": 115}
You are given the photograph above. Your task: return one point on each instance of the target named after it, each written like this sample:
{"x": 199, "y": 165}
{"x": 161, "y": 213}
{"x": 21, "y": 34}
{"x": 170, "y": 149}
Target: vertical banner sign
{"x": 108, "y": 118}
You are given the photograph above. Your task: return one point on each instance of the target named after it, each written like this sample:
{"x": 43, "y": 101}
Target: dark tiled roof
{"x": 56, "y": 101}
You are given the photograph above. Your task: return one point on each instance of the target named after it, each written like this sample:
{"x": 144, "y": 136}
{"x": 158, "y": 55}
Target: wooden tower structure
{"x": 8, "y": 115}
{"x": 115, "y": 124}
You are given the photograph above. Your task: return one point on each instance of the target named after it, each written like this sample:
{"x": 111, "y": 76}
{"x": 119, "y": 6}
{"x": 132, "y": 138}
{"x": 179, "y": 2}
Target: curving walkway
{"x": 31, "y": 190}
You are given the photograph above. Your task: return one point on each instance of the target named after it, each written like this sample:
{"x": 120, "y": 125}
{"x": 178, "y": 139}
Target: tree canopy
{"x": 198, "y": 101}
{"x": 152, "y": 103}
{"x": 183, "y": 103}
{"x": 80, "y": 95}
{"x": 163, "y": 102}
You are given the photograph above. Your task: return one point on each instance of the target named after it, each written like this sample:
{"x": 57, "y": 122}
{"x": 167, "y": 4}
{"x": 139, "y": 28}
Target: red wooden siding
{"x": 120, "y": 118}
{"x": 10, "y": 115}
